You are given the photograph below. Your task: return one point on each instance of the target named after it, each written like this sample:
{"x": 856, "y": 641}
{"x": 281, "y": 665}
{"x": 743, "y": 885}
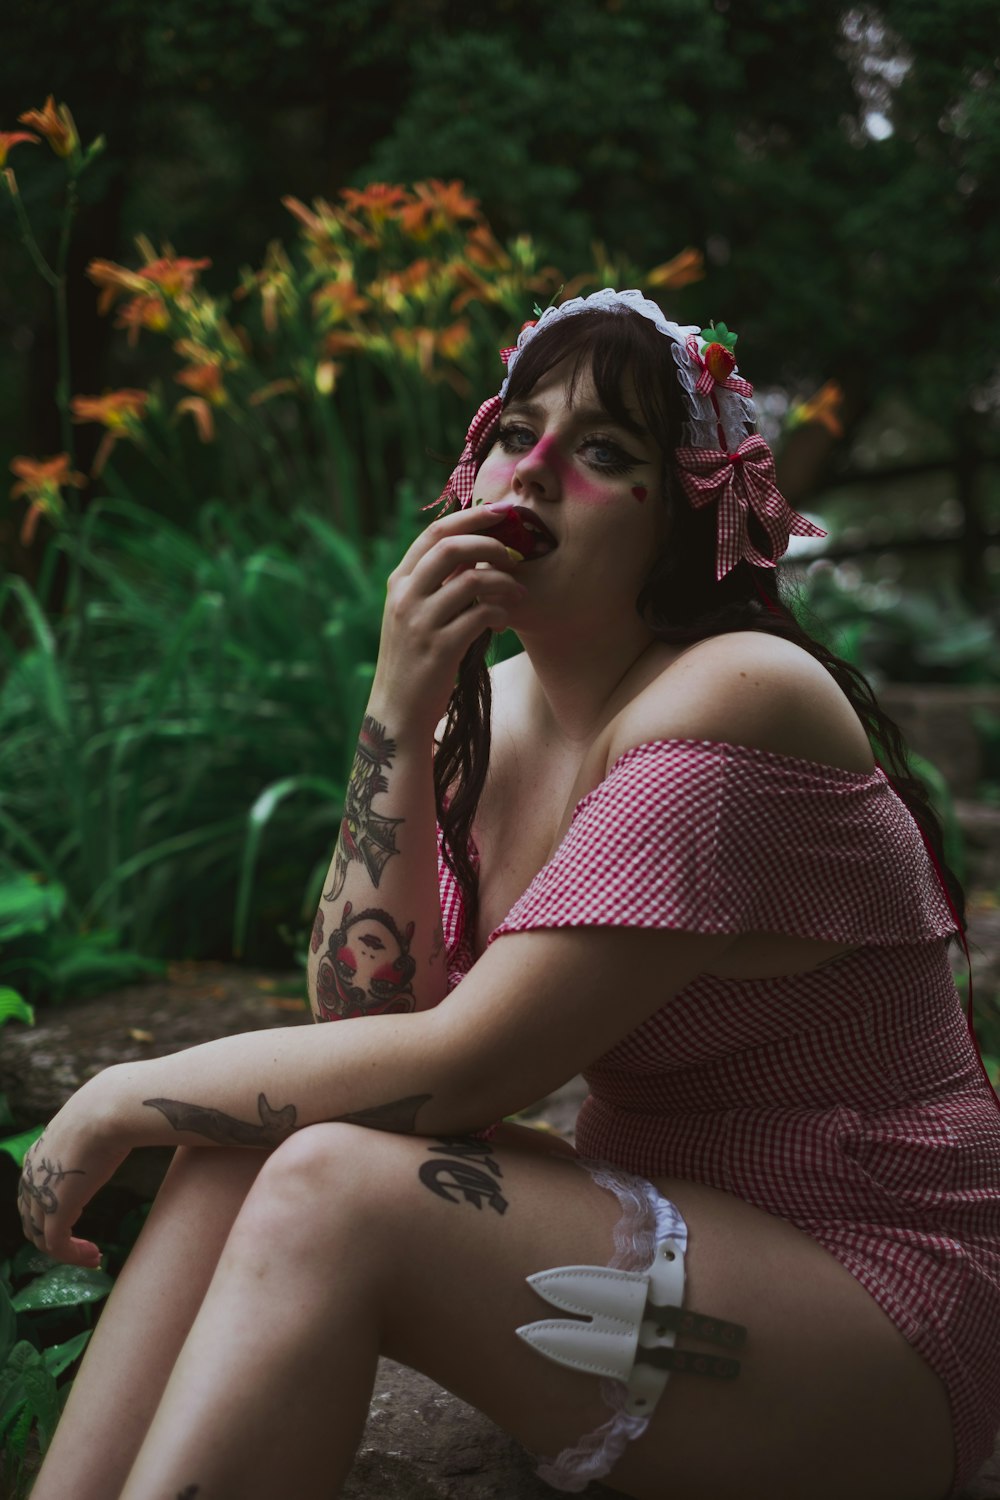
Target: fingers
{"x": 473, "y": 522}
{"x": 44, "y": 1218}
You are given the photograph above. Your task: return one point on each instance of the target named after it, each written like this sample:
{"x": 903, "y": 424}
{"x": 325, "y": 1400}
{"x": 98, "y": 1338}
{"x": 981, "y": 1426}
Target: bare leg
{"x": 352, "y": 1241}
{"x": 143, "y": 1327}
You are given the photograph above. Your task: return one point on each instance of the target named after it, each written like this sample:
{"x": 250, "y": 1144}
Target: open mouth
{"x": 522, "y": 530}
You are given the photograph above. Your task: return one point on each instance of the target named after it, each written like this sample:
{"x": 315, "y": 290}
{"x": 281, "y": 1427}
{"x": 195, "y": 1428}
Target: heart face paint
{"x": 639, "y": 491}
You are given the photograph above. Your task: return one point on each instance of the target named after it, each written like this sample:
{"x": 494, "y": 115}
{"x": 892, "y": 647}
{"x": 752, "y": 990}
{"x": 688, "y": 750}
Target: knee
{"x": 321, "y": 1169}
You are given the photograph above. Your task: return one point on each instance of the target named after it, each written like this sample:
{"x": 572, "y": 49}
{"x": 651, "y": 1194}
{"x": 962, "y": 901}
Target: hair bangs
{"x": 612, "y": 347}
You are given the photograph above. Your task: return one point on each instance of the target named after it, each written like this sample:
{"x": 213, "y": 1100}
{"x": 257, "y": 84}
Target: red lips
{"x": 523, "y": 531}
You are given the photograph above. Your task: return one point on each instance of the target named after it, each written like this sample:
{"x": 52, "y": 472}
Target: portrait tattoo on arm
{"x": 365, "y": 837}
{"x": 367, "y": 968}
{"x": 276, "y": 1125}
{"x": 460, "y": 1165}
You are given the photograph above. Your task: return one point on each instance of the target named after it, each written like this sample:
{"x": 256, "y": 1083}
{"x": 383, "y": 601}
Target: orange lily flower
{"x": 274, "y": 281}
{"x": 173, "y": 274}
{"x": 439, "y": 206}
{"x": 205, "y": 380}
{"x": 326, "y": 228}
{"x": 202, "y": 413}
{"x": 55, "y": 123}
{"x": 113, "y": 279}
{"x": 339, "y": 342}
{"x": 454, "y": 340}
{"x": 821, "y": 408}
{"x": 282, "y": 387}
{"x": 339, "y": 300}
{"x": 143, "y": 312}
{"x": 685, "y": 268}
{"x": 9, "y": 138}
{"x": 421, "y": 344}
{"x": 119, "y": 411}
{"x": 379, "y": 200}
{"x": 483, "y": 249}
{"x": 41, "y": 481}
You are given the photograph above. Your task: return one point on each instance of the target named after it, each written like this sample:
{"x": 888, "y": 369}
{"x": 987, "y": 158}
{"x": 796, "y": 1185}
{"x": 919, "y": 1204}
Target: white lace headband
{"x": 722, "y": 459}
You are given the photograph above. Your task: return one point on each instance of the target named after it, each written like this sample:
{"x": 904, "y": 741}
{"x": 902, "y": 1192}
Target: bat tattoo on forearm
{"x": 276, "y": 1125}
{"x": 399, "y": 1116}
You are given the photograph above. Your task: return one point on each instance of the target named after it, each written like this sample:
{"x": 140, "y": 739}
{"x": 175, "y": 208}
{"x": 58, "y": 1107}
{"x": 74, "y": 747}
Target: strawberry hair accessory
{"x": 722, "y": 457}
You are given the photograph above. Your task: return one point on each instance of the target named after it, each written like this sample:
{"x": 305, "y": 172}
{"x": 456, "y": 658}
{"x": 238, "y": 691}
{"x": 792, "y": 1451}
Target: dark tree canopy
{"x": 837, "y": 165}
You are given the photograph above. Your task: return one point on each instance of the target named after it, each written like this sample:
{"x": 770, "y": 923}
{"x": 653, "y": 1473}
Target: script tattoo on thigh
{"x": 276, "y": 1125}
{"x": 399, "y": 1116}
{"x": 465, "y": 1167}
{"x": 365, "y": 837}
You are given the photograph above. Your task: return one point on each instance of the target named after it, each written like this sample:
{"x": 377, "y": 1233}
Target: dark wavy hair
{"x": 680, "y": 599}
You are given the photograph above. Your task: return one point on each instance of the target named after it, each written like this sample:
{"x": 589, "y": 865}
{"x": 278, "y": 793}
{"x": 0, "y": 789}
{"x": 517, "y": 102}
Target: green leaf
{"x": 13, "y": 1007}
{"x": 28, "y": 906}
{"x": 60, "y": 1356}
{"x": 8, "y": 1325}
{"x": 18, "y": 1146}
{"x": 260, "y": 815}
{"x": 63, "y": 1286}
{"x": 43, "y": 1399}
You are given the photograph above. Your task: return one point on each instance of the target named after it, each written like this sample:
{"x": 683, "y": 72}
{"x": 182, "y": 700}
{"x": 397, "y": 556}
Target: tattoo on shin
{"x": 276, "y": 1125}
{"x": 460, "y": 1165}
{"x": 399, "y": 1116}
{"x": 365, "y": 837}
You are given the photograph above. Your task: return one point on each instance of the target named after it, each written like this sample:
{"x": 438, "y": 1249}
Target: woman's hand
{"x": 437, "y": 603}
{"x": 70, "y": 1161}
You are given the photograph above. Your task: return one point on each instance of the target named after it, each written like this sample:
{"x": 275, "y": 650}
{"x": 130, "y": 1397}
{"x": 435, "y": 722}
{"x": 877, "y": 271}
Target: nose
{"x": 535, "y": 473}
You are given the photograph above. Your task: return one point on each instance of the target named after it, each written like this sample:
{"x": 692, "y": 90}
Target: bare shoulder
{"x": 747, "y": 688}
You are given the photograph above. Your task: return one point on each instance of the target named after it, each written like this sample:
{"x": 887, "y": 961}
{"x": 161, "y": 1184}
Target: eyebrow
{"x": 582, "y": 415}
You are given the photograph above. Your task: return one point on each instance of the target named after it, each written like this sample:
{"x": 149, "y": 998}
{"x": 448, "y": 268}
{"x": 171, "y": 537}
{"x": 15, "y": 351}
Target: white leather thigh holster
{"x": 634, "y": 1320}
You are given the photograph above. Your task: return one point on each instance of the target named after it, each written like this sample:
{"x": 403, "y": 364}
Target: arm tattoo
{"x": 40, "y": 1189}
{"x": 276, "y": 1125}
{"x": 400, "y": 1116}
{"x": 365, "y": 838}
{"x": 367, "y": 967}
{"x": 467, "y": 1167}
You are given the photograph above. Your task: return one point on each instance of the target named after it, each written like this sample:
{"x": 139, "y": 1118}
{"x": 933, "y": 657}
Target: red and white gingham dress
{"x": 848, "y": 1100}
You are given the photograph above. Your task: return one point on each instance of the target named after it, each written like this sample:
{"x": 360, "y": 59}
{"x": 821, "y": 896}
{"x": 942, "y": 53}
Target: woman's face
{"x": 595, "y": 484}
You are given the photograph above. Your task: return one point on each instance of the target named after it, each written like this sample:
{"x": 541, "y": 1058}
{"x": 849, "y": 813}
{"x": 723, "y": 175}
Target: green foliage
{"x": 37, "y": 1347}
{"x": 902, "y": 637}
{"x": 148, "y": 766}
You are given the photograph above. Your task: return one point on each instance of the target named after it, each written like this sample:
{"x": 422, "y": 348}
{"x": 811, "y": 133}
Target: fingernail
{"x": 514, "y": 555}
{"x": 499, "y": 504}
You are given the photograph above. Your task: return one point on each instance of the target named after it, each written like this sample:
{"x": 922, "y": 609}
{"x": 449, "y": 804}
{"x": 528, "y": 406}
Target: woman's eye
{"x": 514, "y": 439}
{"x": 609, "y": 457}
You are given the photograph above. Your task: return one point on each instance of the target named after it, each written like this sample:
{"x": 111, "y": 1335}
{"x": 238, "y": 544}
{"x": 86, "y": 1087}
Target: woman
{"x": 711, "y": 899}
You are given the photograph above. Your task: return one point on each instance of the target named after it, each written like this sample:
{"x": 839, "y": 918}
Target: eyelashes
{"x": 513, "y": 438}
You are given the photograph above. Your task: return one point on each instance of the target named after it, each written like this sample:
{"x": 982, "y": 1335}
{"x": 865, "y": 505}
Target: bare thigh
{"x": 831, "y": 1399}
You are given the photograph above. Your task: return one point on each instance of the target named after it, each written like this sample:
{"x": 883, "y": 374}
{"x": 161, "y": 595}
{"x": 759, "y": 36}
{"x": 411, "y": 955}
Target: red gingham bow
{"x": 462, "y": 481}
{"x": 740, "y": 482}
